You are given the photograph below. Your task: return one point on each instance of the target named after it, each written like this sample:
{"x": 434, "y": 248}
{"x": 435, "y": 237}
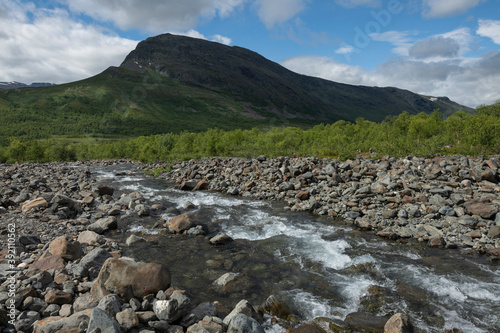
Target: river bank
{"x": 67, "y": 223}
{"x": 447, "y": 201}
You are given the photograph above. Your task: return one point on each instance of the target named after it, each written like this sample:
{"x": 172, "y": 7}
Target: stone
{"x": 100, "y": 320}
{"x": 365, "y": 322}
{"x": 275, "y": 307}
{"x": 468, "y": 221}
{"x": 398, "y": 323}
{"x": 244, "y": 324}
{"x": 61, "y": 324}
{"x": 133, "y": 239}
{"x": 232, "y": 282}
{"x": 129, "y": 278}
{"x": 66, "y": 310}
{"x": 104, "y": 224}
{"x": 62, "y": 200}
{"x": 220, "y": 239}
{"x": 188, "y": 185}
{"x": 494, "y": 232}
{"x": 146, "y": 316}
{"x": 111, "y": 304}
{"x": 202, "y": 185}
{"x": 58, "y": 297}
{"x": 447, "y": 210}
{"x": 25, "y": 320}
{"x": 205, "y": 326}
{"x": 481, "y": 208}
{"x": 37, "y": 203}
{"x": 83, "y": 302}
{"x": 436, "y": 242}
{"x": 202, "y": 310}
{"x": 166, "y": 310}
{"x": 65, "y": 249}
{"x": 127, "y": 318}
{"x": 105, "y": 190}
{"x": 55, "y": 263}
{"x": 311, "y": 327}
{"x": 180, "y": 223}
{"x": 302, "y": 195}
{"x": 90, "y": 264}
{"x": 243, "y": 307}
{"x": 91, "y": 238}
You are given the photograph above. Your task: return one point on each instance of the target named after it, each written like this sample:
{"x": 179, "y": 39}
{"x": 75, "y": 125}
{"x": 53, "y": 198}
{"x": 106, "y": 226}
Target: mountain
{"x": 14, "y": 84}
{"x": 173, "y": 83}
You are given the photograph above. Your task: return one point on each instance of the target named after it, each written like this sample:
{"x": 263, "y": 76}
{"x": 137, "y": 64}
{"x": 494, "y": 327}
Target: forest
{"x": 418, "y": 135}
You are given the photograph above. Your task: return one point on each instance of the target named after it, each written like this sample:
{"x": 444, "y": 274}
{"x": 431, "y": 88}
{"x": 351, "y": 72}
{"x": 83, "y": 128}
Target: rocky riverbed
{"x": 62, "y": 269}
{"x": 447, "y": 201}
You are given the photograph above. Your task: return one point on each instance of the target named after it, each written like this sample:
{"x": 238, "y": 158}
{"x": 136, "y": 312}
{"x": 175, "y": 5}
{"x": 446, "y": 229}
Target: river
{"x": 320, "y": 266}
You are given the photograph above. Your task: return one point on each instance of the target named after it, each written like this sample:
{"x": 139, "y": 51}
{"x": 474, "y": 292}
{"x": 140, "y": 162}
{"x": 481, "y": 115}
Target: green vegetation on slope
{"x": 418, "y": 135}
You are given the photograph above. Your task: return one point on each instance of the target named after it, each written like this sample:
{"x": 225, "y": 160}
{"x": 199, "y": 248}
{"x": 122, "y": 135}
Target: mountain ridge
{"x": 173, "y": 83}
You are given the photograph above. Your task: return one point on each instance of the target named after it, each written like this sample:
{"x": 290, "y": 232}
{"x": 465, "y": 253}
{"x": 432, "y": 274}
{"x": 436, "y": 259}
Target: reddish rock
{"x": 202, "y": 185}
{"x": 482, "y": 208}
{"x": 128, "y": 278}
{"x": 494, "y": 232}
{"x": 302, "y": 195}
{"x": 436, "y": 242}
{"x": 180, "y": 223}
{"x": 398, "y": 323}
{"x": 58, "y": 297}
{"x": 46, "y": 263}
{"x": 105, "y": 189}
{"x": 33, "y": 204}
{"x": 409, "y": 200}
{"x": 90, "y": 237}
{"x": 63, "y": 248}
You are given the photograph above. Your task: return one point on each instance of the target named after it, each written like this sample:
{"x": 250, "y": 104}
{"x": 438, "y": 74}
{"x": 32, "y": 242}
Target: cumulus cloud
{"x": 469, "y": 81}
{"x": 490, "y": 29}
{"x": 345, "y": 49}
{"x": 272, "y": 12}
{"x": 444, "y": 8}
{"x": 52, "y": 47}
{"x": 402, "y": 40}
{"x": 436, "y": 46}
{"x": 154, "y": 15}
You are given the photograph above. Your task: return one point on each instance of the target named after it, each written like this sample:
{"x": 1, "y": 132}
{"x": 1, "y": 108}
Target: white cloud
{"x": 221, "y": 39}
{"x": 401, "y": 39}
{"x": 52, "y": 47}
{"x": 344, "y": 50}
{"x": 469, "y": 81}
{"x": 490, "y": 29}
{"x": 154, "y": 15}
{"x": 272, "y": 12}
{"x": 435, "y": 46}
{"x": 355, "y": 3}
{"x": 444, "y": 8}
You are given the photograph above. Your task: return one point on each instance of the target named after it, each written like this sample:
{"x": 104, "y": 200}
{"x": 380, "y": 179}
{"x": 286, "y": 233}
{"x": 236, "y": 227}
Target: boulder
{"x": 205, "y": 326}
{"x": 102, "y": 225}
{"x": 58, "y": 297}
{"x": 481, "y": 208}
{"x": 105, "y": 190}
{"x": 100, "y": 320}
{"x": 494, "y": 232}
{"x": 111, "y": 304}
{"x": 48, "y": 263}
{"x": 361, "y": 321}
{"x": 243, "y": 307}
{"x": 127, "y": 318}
{"x": 65, "y": 249}
{"x": 90, "y": 237}
{"x": 232, "y": 282}
{"x": 244, "y": 324}
{"x": 180, "y": 223}
{"x": 220, "y": 239}
{"x": 90, "y": 264}
{"x": 129, "y": 278}
{"x": 398, "y": 323}
{"x": 133, "y": 239}
{"x": 60, "y": 324}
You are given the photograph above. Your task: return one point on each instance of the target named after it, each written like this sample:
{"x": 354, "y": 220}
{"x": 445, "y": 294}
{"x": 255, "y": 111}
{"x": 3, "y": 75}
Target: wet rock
{"x": 104, "y": 224}
{"x": 105, "y": 190}
{"x": 244, "y": 324}
{"x": 243, "y": 307}
{"x": 100, "y": 320}
{"x": 202, "y": 185}
{"x": 205, "y": 326}
{"x": 180, "y": 223}
{"x": 125, "y": 277}
{"x": 436, "y": 242}
{"x": 398, "y": 323}
{"x": 133, "y": 239}
{"x": 311, "y": 327}
{"x": 275, "y": 307}
{"x": 232, "y": 282}
{"x": 220, "y": 239}
{"x": 188, "y": 185}
{"x": 365, "y": 322}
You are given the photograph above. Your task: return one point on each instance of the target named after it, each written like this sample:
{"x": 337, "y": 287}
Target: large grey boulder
{"x": 244, "y": 324}
{"x": 100, "y": 320}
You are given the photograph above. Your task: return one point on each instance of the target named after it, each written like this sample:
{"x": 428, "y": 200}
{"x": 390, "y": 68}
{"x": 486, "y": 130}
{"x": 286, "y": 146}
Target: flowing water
{"x": 321, "y": 267}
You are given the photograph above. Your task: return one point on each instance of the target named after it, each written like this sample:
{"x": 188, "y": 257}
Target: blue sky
{"x": 433, "y": 47}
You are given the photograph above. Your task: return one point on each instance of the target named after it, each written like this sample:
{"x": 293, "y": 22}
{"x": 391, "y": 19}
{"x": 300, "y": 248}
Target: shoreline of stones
{"x": 68, "y": 276}
{"x": 446, "y": 201}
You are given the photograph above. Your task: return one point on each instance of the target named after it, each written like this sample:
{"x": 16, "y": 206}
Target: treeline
{"x": 418, "y": 135}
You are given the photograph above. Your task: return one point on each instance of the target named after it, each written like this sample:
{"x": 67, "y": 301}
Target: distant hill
{"x": 14, "y": 84}
{"x": 173, "y": 83}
